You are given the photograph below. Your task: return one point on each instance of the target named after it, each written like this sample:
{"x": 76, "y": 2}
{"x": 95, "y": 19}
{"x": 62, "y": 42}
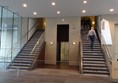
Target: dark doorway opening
{"x": 62, "y": 44}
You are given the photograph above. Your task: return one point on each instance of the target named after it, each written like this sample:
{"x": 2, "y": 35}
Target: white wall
{"x": 51, "y": 34}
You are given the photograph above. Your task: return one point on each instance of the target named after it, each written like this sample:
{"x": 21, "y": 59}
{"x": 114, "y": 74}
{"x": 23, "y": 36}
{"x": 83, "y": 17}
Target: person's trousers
{"x": 92, "y": 38}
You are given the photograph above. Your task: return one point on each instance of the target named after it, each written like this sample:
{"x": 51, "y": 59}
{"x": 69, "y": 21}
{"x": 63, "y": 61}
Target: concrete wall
{"x": 51, "y": 36}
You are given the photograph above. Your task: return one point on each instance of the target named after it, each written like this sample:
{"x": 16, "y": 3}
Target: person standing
{"x": 91, "y": 34}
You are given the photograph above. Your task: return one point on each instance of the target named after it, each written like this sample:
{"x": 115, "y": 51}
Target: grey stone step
{"x": 98, "y": 62}
{"x": 18, "y": 67}
{"x": 84, "y": 53}
{"x": 26, "y": 56}
{"x": 93, "y": 65}
{"x": 89, "y": 49}
{"x": 28, "y": 52}
{"x": 93, "y": 59}
{"x": 20, "y": 64}
{"x": 95, "y": 72}
{"x": 96, "y": 68}
{"x": 24, "y": 59}
{"x": 86, "y": 56}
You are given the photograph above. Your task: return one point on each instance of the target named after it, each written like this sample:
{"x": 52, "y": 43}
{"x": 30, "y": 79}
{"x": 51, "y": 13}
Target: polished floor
{"x": 41, "y": 75}
{"x": 60, "y": 73}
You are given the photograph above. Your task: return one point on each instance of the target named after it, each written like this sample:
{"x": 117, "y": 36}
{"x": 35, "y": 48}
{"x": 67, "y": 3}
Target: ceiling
{"x": 66, "y": 7}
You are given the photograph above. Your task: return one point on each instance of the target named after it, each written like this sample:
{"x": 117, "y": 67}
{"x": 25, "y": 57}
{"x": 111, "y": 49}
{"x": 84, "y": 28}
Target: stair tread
{"x": 20, "y": 64}
{"x": 95, "y": 68}
{"x": 94, "y": 62}
{"x": 26, "y": 59}
{"x": 16, "y": 61}
{"x": 92, "y": 71}
{"x": 95, "y": 65}
{"x": 17, "y": 67}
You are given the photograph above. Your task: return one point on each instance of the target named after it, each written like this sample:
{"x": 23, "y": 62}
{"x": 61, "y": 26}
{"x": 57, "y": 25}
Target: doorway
{"x": 62, "y": 44}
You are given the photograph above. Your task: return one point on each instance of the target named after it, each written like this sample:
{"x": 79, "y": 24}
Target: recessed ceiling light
{"x": 111, "y": 10}
{"x": 53, "y": 3}
{"x": 84, "y": 2}
{"x": 83, "y": 11}
{"x": 58, "y": 12}
{"x": 24, "y": 5}
{"x": 35, "y": 13}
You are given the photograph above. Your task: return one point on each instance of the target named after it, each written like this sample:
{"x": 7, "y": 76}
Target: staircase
{"x": 93, "y": 60}
{"x": 26, "y": 56}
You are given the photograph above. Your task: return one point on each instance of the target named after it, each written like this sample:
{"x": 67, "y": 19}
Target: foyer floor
{"x": 47, "y": 75}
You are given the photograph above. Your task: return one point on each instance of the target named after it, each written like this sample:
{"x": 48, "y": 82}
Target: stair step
{"x": 26, "y": 52}
{"x": 93, "y": 59}
{"x": 20, "y": 64}
{"x": 94, "y": 65}
{"x": 92, "y": 53}
{"x": 95, "y": 72}
{"x": 26, "y": 56}
{"x": 88, "y": 49}
{"x": 96, "y": 68}
{"x": 88, "y": 56}
{"x": 98, "y": 62}
{"x": 18, "y": 67}
{"x": 89, "y": 43}
{"x": 15, "y": 61}
{"x": 22, "y": 59}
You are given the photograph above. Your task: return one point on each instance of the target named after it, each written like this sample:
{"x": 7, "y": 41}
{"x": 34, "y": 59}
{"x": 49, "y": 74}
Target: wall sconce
{"x": 73, "y": 43}
{"x": 51, "y": 43}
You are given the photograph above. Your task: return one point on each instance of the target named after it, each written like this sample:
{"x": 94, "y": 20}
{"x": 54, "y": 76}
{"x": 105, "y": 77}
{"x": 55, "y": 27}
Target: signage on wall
{"x": 105, "y": 32}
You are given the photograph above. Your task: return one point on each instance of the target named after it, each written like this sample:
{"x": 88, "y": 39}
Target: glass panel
{"x": 16, "y": 35}
{"x": 6, "y": 34}
{"x": 1, "y": 58}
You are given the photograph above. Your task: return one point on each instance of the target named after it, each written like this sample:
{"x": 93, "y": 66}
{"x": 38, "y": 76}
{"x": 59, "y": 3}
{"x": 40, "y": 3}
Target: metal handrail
{"x": 24, "y": 35}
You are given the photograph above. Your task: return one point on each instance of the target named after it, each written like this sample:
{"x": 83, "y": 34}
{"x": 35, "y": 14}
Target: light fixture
{"x": 73, "y": 43}
{"x": 51, "y": 43}
{"x": 93, "y": 22}
{"x": 53, "y": 3}
{"x": 24, "y": 5}
{"x": 84, "y": 2}
{"x": 83, "y": 11}
{"x": 62, "y": 19}
{"x": 111, "y": 10}
{"x": 35, "y": 13}
{"x": 58, "y": 12}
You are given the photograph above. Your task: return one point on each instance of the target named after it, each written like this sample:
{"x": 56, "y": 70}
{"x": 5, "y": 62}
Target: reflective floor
{"x": 42, "y": 75}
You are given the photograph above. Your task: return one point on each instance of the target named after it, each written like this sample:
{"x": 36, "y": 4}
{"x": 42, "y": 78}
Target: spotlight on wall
{"x": 73, "y": 43}
{"x": 51, "y": 43}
